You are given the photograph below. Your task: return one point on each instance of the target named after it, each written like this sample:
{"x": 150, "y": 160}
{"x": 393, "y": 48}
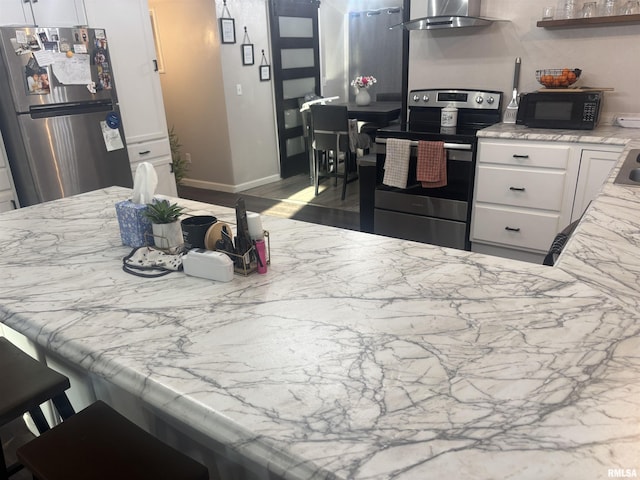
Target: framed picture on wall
{"x": 265, "y": 73}
{"x": 247, "y": 54}
{"x": 228, "y": 30}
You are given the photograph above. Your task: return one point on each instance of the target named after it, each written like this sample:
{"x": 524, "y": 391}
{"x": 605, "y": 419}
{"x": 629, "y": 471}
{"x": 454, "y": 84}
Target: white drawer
{"x": 521, "y": 187}
{"x": 140, "y": 152}
{"x": 521, "y": 229}
{"x": 525, "y": 154}
{"x": 166, "y": 178}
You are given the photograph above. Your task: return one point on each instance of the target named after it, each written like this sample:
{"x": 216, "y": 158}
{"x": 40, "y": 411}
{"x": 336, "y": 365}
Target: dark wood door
{"x": 296, "y": 72}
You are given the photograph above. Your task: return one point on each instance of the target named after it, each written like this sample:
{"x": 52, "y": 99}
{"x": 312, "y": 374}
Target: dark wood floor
{"x": 292, "y": 198}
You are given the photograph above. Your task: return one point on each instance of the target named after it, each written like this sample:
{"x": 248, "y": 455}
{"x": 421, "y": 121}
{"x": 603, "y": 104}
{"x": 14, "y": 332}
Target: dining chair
{"x": 305, "y": 116}
{"x": 330, "y": 140}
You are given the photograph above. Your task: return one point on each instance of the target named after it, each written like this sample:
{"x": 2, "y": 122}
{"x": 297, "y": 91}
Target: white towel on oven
{"x": 396, "y": 163}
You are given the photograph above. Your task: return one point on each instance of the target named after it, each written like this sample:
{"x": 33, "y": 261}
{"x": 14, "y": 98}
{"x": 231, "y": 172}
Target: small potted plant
{"x": 164, "y": 216}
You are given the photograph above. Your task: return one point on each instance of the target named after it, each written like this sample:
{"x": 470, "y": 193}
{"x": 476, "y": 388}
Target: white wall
{"x": 484, "y": 57}
{"x": 333, "y": 48}
{"x": 232, "y": 139}
{"x": 192, "y": 86}
{"x": 250, "y": 116}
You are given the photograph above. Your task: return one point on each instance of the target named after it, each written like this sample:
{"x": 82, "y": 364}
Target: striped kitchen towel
{"x": 431, "y": 168}
{"x": 396, "y": 163}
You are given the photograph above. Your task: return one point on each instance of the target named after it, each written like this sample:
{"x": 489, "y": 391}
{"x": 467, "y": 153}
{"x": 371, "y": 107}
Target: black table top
{"x": 380, "y": 113}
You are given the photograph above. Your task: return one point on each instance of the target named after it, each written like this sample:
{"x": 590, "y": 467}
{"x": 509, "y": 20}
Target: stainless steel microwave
{"x": 572, "y": 110}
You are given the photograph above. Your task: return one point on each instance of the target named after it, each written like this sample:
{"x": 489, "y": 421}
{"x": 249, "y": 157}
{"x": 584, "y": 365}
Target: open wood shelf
{"x": 589, "y": 22}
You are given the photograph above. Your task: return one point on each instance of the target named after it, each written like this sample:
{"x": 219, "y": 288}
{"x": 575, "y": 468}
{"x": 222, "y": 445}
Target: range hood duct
{"x": 448, "y": 14}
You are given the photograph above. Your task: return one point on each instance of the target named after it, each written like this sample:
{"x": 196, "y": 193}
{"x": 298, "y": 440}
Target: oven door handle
{"x": 447, "y": 146}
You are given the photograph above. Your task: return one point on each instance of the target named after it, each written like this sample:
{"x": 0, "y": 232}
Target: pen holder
{"x": 247, "y": 263}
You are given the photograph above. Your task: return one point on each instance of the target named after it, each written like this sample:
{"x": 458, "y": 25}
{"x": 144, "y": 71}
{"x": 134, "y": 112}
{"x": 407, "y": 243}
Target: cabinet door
{"x": 128, "y": 29}
{"x": 595, "y": 167}
{"x": 15, "y": 12}
{"x": 58, "y": 13}
{"x": 166, "y": 178}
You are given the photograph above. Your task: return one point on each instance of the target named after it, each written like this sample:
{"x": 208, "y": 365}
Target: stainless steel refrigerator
{"x": 59, "y": 112}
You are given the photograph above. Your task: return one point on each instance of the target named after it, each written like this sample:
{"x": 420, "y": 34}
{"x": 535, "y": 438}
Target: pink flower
{"x": 363, "y": 81}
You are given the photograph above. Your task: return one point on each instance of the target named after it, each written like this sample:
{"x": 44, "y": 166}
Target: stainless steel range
{"x": 439, "y": 216}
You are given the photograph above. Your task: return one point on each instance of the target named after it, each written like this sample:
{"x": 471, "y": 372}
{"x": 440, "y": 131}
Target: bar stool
{"x": 98, "y": 443}
{"x": 27, "y": 383}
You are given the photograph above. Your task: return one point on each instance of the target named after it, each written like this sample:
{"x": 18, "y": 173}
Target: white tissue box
{"x": 135, "y": 228}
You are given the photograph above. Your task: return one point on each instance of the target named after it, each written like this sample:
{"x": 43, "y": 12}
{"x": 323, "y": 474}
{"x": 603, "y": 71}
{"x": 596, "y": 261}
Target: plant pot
{"x": 362, "y": 97}
{"x": 167, "y": 235}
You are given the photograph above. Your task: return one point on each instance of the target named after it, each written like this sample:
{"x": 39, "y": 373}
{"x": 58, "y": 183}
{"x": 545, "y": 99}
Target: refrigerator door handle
{"x": 56, "y": 110}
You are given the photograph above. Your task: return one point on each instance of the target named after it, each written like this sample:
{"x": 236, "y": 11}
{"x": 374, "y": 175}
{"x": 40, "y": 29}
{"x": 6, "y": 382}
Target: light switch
{"x": 238, "y": 89}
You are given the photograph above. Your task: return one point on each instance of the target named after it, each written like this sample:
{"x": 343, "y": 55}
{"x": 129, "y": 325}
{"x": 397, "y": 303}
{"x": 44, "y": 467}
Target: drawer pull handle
{"x": 515, "y": 155}
{"x": 517, "y": 189}
{"x": 146, "y": 152}
{"x": 511, "y": 229}
{"x": 14, "y": 204}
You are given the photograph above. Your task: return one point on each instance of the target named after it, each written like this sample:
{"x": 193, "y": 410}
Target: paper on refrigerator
{"x": 75, "y": 70}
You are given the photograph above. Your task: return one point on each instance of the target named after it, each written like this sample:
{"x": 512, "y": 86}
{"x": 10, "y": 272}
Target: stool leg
{"x": 63, "y": 406}
{"x": 39, "y": 419}
{"x": 316, "y": 176}
{"x": 344, "y": 178}
{"x": 6, "y": 472}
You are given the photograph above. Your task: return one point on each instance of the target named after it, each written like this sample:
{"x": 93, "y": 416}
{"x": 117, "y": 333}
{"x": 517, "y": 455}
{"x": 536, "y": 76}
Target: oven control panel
{"x": 460, "y": 98}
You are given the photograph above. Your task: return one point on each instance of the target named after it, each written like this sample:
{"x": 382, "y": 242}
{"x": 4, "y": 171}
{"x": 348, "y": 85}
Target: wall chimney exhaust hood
{"x": 448, "y": 14}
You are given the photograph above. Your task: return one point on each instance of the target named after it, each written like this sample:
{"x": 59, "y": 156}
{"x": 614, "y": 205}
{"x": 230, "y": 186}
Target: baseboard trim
{"x": 258, "y": 183}
{"x": 223, "y": 187}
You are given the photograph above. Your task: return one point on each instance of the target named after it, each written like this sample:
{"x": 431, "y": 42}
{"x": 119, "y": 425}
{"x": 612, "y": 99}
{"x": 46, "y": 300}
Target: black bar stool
{"x": 27, "y": 383}
{"x": 100, "y": 444}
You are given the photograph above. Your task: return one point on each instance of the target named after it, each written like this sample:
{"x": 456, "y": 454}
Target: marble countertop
{"x": 356, "y": 356}
{"x": 604, "y": 252}
{"x": 602, "y": 134}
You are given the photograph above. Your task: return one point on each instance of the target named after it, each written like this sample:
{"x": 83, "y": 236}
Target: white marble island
{"x": 356, "y": 356}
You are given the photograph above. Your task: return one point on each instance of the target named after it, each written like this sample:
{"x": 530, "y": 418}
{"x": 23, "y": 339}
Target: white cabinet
{"x": 155, "y": 152}
{"x": 132, "y": 51}
{"x": 44, "y": 13}
{"x": 528, "y": 191}
{"x": 8, "y": 196}
{"x": 523, "y": 197}
{"x": 595, "y": 167}
{"x": 15, "y": 12}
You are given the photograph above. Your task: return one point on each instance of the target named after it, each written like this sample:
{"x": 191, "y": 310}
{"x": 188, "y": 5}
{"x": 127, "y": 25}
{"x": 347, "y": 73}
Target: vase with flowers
{"x": 362, "y": 84}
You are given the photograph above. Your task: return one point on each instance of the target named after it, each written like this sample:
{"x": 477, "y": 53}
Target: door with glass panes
{"x": 296, "y": 73}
